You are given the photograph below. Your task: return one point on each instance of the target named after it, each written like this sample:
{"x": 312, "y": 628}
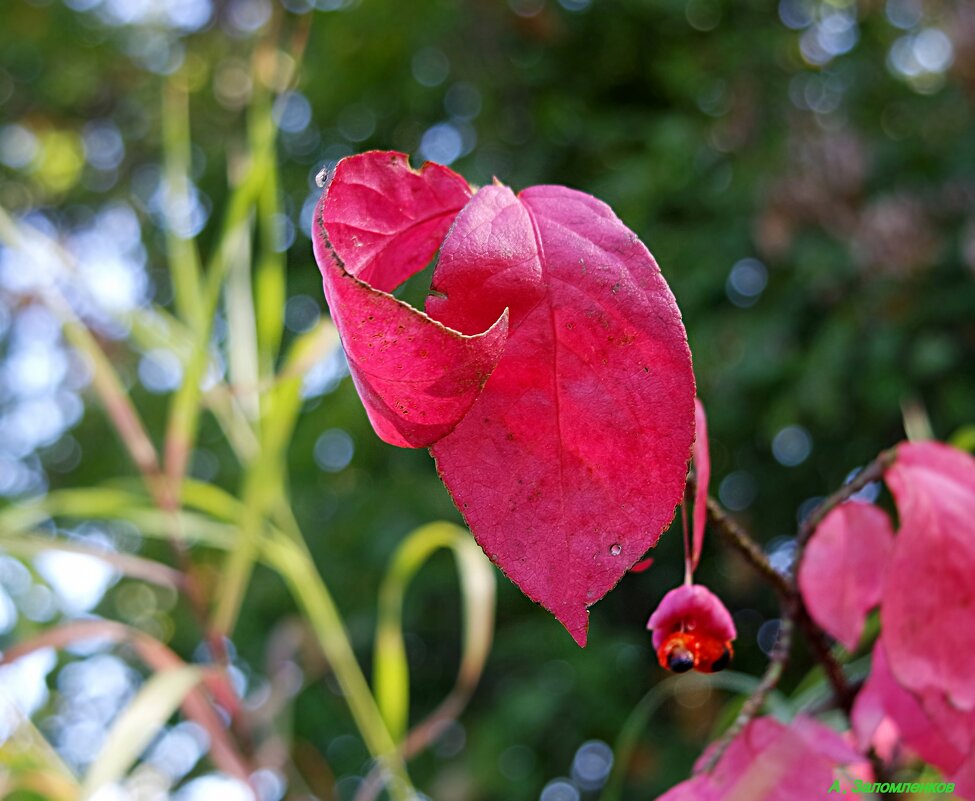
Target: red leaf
{"x": 378, "y": 223}
{"x": 642, "y": 566}
{"x": 702, "y": 469}
{"x": 841, "y": 575}
{"x": 928, "y": 608}
{"x": 571, "y": 462}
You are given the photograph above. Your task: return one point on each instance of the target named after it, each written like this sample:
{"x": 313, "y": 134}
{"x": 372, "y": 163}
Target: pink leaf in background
{"x": 928, "y": 607}
{"x": 841, "y": 575}
{"x": 702, "y": 471}
{"x": 378, "y": 222}
{"x": 882, "y": 697}
{"x": 698, "y": 788}
{"x": 770, "y": 761}
{"x": 571, "y": 462}
{"x": 937, "y": 733}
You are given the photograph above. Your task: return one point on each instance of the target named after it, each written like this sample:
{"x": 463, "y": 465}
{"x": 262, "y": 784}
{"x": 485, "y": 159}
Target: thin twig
{"x": 843, "y": 693}
{"x": 872, "y": 472}
{"x": 794, "y": 611}
{"x": 756, "y": 701}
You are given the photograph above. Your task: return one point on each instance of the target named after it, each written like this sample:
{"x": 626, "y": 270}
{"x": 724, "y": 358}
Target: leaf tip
{"x": 576, "y": 622}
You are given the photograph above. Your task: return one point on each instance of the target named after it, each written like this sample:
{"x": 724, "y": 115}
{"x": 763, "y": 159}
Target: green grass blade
{"x": 390, "y": 669}
{"x": 184, "y": 260}
{"x": 29, "y": 766}
{"x": 292, "y": 560}
{"x": 270, "y": 279}
{"x": 135, "y": 727}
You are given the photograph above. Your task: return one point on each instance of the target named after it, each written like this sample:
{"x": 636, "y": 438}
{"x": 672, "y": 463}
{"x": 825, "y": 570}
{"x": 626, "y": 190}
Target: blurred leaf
{"x": 28, "y": 763}
{"x": 126, "y": 564}
{"x": 184, "y": 260}
{"x": 964, "y": 438}
{"x": 137, "y": 725}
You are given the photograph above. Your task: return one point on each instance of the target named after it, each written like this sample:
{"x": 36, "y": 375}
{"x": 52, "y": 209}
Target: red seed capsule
{"x": 692, "y": 629}
{"x": 684, "y": 650}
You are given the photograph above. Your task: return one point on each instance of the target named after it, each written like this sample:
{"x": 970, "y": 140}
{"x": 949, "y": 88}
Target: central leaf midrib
{"x": 555, "y": 373}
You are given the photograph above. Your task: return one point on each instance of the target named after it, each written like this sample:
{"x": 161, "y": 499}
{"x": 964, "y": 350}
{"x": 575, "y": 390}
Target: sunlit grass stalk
{"x": 293, "y": 561}
{"x": 184, "y": 260}
{"x": 270, "y": 274}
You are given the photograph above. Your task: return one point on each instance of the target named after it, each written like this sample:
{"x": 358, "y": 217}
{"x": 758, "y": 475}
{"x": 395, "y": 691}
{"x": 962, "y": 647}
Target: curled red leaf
{"x": 571, "y": 461}
{"x": 378, "y": 223}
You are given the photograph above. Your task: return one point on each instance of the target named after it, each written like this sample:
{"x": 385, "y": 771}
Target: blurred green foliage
{"x": 804, "y": 174}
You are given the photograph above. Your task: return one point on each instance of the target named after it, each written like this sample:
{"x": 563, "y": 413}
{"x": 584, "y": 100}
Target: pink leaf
{"x": 379, "y": 222}
{"x": 935, "y": 731}
{"x": 702, "y": 470}
{"x": 883, "y": 698}
{"x": 928, "y": 607}
{"x": 698, "y": 788}
{"x": 841, "y": 575}
{"x": 770, "y": 761}
{"x": 571, "y": 462}
{"x": 964, "y": 779}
